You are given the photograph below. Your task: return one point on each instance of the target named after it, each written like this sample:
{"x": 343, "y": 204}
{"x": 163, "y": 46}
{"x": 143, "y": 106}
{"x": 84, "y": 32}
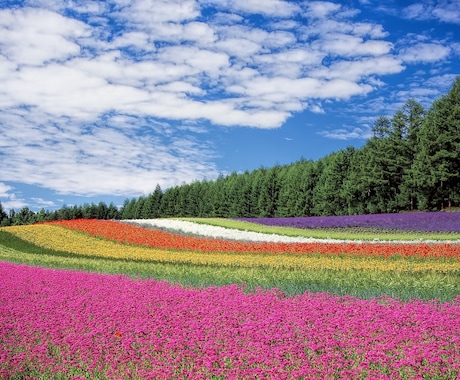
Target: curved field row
{"x": 166, "y": 240}
{"x": 405, "y": 221}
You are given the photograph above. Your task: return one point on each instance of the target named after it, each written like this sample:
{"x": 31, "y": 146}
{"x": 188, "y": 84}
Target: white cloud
{"x": 278, "y": 8}
{"x": 98, "y": 159}
{"x": 26, "y": 41}
{"x": 347, "y": 133}
{"x": 446, "y": 11}
{"x": 43, "y": 203}
{"x": 424, "y": 52}
{"x": 4, "y": 190}
{"x": 357, "y": 69}
{"x": 321, "y": 9}
{"x": 415, "y": 11}
{"x": 149, "y": 14}
{"x": 348, "y": 45}
{"x": 9, "y": 199}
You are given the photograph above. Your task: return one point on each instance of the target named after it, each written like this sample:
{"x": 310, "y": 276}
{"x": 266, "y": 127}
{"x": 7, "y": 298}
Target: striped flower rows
{"x": 166, "y": 240}
{"x": 70, "y": 239}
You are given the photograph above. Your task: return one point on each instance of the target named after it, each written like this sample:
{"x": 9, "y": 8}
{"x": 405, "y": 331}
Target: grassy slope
{"x": 337, "y": 233}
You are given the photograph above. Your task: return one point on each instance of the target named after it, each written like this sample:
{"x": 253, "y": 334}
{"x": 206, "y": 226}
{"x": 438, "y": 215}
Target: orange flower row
{"x": 131, "y": 234}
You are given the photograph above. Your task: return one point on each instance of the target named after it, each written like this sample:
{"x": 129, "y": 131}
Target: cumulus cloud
{"x": 4, "y": 190}
{"x": 9, "y": 199}
{"x": 347, "y": 133}
{"x": 446, "y": 11}
{"x": 424, "y": 52}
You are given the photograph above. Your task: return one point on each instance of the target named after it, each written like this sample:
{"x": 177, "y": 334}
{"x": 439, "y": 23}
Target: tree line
{"x": 411, "y": 162}
{"x": 86, "y": 211}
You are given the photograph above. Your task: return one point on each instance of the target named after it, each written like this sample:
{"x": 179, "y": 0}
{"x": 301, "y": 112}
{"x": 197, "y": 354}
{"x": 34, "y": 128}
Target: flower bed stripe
{"x": 71, "y": 324}
{"x": 408, "y": 221}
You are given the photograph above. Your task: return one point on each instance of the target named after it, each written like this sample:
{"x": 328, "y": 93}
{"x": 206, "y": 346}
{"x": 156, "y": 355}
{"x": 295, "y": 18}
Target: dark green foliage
{"x": 437, "y": 161}
{"x": 4, "y": 220}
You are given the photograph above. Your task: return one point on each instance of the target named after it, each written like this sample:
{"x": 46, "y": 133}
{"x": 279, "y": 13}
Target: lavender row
{"x": 80, "y": 324}
{"x": 416, "y": 221}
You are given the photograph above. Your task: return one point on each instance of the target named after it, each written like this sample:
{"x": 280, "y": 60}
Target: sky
{"x": 103, "y": 100}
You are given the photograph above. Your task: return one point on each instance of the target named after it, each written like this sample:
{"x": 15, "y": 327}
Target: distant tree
{"x": 234, "y": 189}
{"x": 330, "y": 197}
{"x": 41, "y": 216}
{"x": 168, "y": 203}
{"x": 128, "y": 209}
{"x": 112, "y": 212}
{"x": 4, "y": 220}
{"x": 24, "y": 216}
{"x": 220, "y": 199}
{"x": 258, "y": 177}
{"x": 90, "y": 211}
{"x": 406, "y": 124}
{"x": 138, "y": 208}
{"x": 269, "y": 192}
{"x": 102, "y": 210}
{"x": 204, "y": 196}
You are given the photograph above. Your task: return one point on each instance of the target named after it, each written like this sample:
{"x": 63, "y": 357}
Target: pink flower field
{"x": 79, "y": 325}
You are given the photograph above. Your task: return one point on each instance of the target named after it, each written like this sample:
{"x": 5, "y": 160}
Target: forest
{"x": 411, "y": 162}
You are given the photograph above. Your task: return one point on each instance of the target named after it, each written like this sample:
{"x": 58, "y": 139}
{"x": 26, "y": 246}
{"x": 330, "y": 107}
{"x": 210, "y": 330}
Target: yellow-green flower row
{"x": 63, "y": 239}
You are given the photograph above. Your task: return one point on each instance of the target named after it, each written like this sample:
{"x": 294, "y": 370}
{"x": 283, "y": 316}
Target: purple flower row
{"x": 415, "y": 221}
{"x": 58, "y": 321}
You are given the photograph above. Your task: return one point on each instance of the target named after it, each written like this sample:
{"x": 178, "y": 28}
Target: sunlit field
{"x": 232, "y": 299}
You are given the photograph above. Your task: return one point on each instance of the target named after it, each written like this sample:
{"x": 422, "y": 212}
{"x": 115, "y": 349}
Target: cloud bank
{"x": 115, "y": 97}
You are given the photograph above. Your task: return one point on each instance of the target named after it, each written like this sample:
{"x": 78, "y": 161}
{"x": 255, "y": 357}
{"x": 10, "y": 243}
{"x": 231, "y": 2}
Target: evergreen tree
{"x": 102, "y": 210}
{"x": 4, "y": 220}
{"x": 205, "y": 201}
{"x": 128, "y": 209}
{"x": 152, "y": 204}
{"x": 220, "y": 200}
{"x": 269, "y": 192}
{"x": 24, "y": 216}
{"x": 258, "y": 178}
{"x": 112, "y": 212}
{"x": 406, "y": 125}
{"x": 138, "y": 208}
{"x": 329, "y": 196}
{"x": 168, "y": 204}
{"x": 437, "y": 161}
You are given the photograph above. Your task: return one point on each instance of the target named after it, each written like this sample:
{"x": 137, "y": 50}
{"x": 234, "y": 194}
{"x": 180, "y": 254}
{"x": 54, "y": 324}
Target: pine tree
{"x": 437, "y": 161}
{"x": 4, "y": 220}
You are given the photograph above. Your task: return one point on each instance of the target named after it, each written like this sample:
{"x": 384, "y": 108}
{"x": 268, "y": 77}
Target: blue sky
{"x": 103, "y": 100}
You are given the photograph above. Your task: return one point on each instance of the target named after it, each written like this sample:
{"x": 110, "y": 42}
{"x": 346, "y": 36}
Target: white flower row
{"x": 217, "y": 232}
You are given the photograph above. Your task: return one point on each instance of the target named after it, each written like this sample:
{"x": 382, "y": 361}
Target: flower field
{"x": 176, "y": 299}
